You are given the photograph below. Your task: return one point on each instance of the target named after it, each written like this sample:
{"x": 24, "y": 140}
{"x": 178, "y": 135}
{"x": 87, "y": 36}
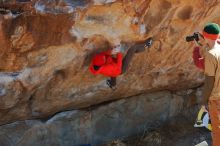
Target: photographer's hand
{"x": 202, "y": 42}
{"x": 197, "y": 43}
{"x": 116, "y": 49}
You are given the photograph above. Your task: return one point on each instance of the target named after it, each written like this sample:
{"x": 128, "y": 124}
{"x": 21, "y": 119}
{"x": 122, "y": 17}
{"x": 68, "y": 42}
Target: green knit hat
{"x": 211, "y": 31}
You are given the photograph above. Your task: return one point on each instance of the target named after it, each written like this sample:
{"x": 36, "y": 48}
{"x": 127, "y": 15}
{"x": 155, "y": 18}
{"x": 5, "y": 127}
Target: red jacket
{"x": 198, "y": 59}
{"x": 112, "y": 66}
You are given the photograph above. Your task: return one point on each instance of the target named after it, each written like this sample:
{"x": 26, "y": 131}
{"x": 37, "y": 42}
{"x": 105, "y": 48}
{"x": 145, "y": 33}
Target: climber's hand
{"x": 116, "y": 49}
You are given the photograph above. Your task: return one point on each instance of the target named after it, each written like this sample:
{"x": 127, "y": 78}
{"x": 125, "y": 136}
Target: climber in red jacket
{"x": 106, "y": 64}
{"x": 111, "y": 63}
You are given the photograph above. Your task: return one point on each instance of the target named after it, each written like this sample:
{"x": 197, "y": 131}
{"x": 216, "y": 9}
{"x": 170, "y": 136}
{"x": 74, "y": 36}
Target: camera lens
{"x": 190, "y": 38}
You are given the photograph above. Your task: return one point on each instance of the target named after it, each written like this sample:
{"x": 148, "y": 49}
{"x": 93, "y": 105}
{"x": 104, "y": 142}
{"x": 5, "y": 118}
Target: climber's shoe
{"x": 148, "y": 43}
{"x": 141, "y": 46}
{"x": 108, "y": 82}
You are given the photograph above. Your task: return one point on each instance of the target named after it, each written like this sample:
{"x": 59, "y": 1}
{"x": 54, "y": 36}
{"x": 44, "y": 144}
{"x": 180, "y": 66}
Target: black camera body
{"x": 193, "y": 37}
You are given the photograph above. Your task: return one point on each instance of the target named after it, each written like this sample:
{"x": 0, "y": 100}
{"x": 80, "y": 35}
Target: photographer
{"x": 209, "y": 41}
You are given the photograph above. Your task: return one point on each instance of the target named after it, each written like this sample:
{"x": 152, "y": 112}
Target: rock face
{"x": 46, "y": 48}
{"x": 96, "y": 125}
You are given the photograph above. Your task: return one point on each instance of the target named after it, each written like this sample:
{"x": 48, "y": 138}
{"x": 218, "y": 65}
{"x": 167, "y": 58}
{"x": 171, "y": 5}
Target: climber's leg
{"x": 127, "y": 59}
{"x": 136, "y": 48}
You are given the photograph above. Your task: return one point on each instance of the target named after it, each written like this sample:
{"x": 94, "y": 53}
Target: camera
{"x": 193, "y": 37}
